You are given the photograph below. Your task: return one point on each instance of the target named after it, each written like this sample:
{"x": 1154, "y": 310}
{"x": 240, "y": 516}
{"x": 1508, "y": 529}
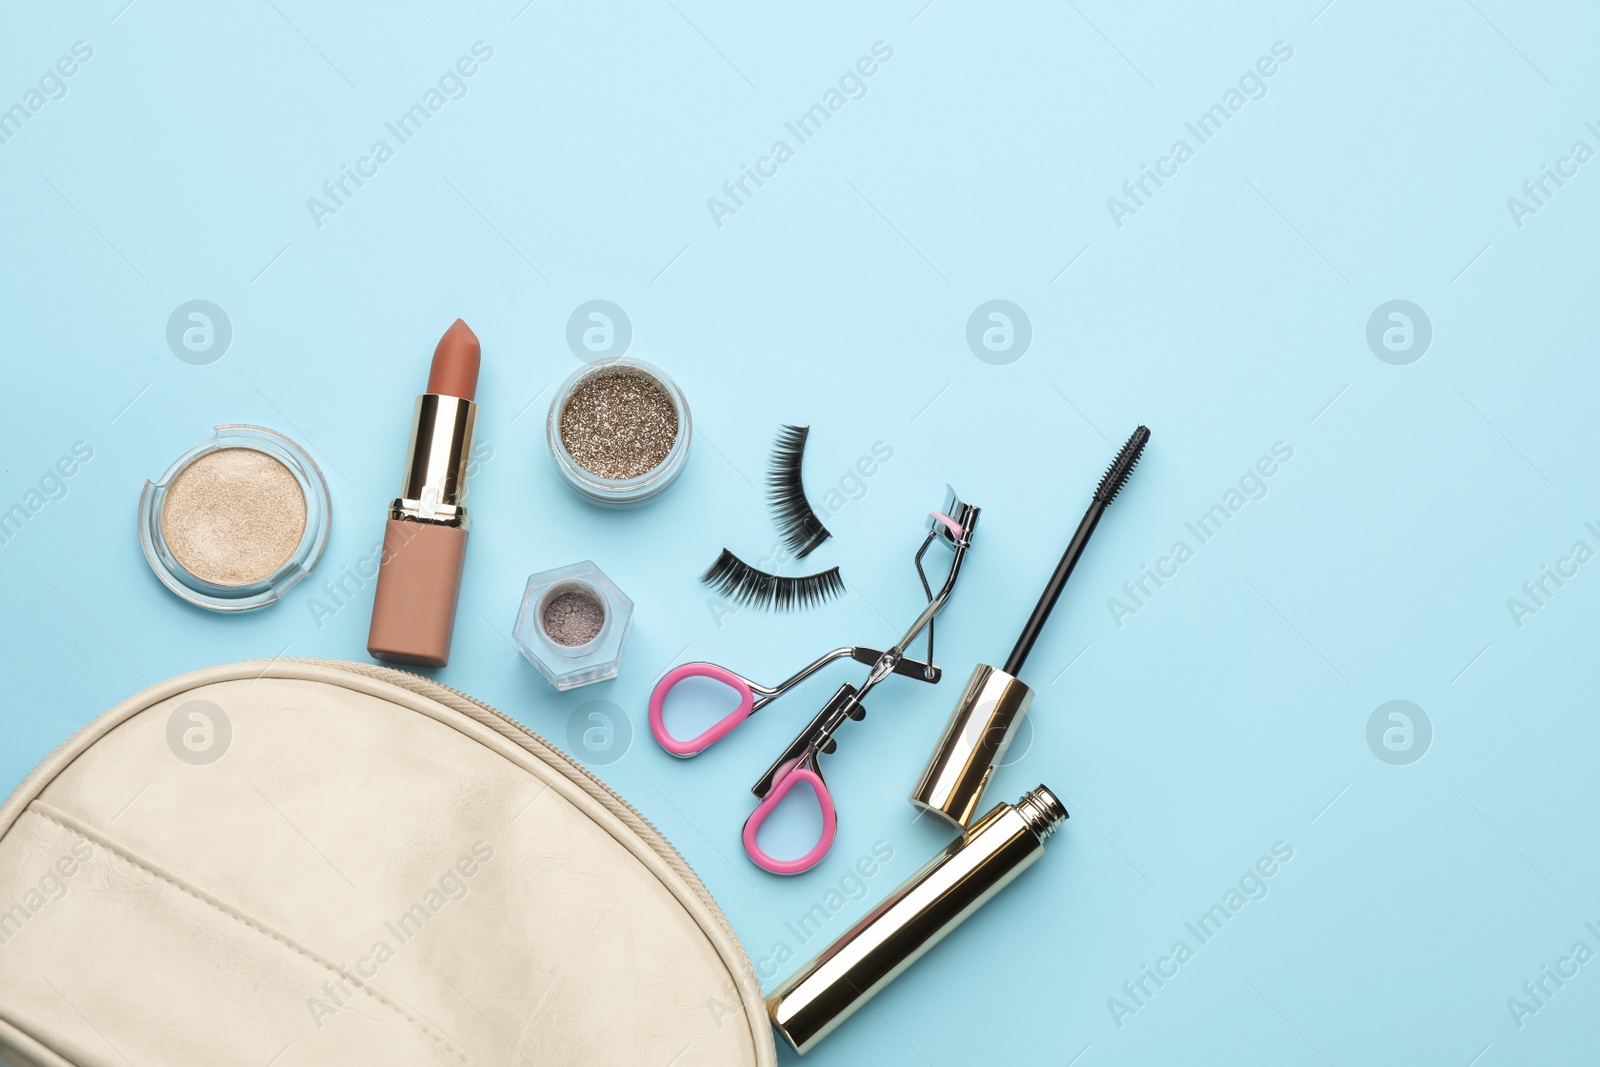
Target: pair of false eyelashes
{"x": 802, "y": 531}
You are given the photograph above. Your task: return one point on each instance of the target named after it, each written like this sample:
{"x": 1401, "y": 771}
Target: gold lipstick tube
{"x": 436, "y": 461}
{"x": 914, "y": 918}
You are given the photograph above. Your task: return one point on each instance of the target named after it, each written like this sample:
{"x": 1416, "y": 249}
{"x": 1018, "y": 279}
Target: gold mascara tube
{"x": 912, "y": 919}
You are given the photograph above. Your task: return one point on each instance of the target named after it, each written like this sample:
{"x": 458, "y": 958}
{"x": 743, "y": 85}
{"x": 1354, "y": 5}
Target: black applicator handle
{"x": 1116, "y": 477}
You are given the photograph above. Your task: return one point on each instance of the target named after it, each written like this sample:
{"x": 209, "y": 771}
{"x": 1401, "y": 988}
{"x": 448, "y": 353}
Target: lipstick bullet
{"x": 425, "y": 540}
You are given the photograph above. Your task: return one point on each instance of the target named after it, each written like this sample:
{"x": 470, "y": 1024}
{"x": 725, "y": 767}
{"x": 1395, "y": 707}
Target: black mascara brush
{"x": 994, "y": 701}
{"x": 1111, "y": 484}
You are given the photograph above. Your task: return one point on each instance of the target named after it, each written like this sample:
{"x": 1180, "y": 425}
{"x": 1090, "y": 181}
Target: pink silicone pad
{"x": 949, "y": 523}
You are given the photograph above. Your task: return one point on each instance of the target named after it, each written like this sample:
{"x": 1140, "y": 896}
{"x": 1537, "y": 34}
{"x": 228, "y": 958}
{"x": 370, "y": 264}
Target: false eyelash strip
{"x": 736, "y": 580}
{"x": 799, "y": 526}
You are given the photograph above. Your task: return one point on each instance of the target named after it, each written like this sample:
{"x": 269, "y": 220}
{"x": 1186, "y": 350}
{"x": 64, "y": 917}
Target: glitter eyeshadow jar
{"x": 573, "y": 625}
{"x": 619, "y": 431}
{"x": 236, "y": 521}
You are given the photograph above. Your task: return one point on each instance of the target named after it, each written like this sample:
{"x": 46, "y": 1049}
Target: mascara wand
{"x": 1116, "y": 477}
{"x": 994, "y": 701}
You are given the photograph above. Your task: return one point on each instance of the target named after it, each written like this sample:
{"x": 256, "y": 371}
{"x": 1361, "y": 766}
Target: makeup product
{"x": 800, "y": 762}
{"x": 425, "y": 540}
{"x": 801, "y": 529}
{"x": 913, "y": 918}
{"x": 236, "y": 521}
{"x": 573, "y": 625}
{"x": 619, "y": 431}
{"x": 993, "y": 703}
{"x": 736, "y": 580}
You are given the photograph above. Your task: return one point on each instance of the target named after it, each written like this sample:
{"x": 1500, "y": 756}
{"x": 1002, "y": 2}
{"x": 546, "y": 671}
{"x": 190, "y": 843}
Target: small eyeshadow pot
{"x": 236, "y": 521}
{"x": 619, "y": 431}
{"x": 573, "y": 625}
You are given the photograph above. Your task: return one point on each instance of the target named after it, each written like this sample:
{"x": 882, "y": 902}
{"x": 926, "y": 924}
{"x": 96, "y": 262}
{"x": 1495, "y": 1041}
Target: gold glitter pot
{"x": 236, "y": 521}
{"x": 619, "y": 431}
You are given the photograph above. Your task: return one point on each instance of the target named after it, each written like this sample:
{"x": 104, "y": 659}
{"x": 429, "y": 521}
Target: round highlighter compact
{"x": 236, "y": 521}
{"x": 619, "y": 431}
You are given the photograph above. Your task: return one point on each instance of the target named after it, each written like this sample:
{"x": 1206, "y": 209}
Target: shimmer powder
{"x": 573, "y": 617}
{"x": 619, "y": 424}
{"x": 234, "y": 516}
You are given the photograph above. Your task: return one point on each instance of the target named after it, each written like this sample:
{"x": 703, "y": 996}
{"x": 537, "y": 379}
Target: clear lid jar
{"x": 608, "y": 431}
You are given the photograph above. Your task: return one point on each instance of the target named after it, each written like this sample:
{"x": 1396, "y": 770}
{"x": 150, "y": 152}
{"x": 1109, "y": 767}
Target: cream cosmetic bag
{"x": 311, "y": 862}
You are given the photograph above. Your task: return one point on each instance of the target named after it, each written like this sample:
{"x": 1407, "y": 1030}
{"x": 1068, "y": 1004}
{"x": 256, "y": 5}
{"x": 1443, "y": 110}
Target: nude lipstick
{"x": 425, "y": 540}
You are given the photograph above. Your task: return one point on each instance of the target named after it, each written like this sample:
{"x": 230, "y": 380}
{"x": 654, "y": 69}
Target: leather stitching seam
{"x": 95, "y": 838}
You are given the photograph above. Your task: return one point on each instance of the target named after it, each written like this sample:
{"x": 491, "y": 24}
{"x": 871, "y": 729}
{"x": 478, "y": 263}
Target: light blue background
{"x": 1228, "y": 314}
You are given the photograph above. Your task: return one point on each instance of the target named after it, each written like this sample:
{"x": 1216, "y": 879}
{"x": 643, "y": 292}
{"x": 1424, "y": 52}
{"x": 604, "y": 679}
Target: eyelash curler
{"x": 800, "y": 761}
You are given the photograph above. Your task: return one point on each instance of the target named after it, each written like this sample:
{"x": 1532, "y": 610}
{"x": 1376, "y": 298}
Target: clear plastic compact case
{"x": 573, "y": 625}
{"x": 627, "y": 491}
{"x": 225, "y": 539}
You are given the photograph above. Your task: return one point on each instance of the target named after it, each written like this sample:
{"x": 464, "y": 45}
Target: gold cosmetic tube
{"x": 973, "y": 744}
{"x": 912, "y": 919}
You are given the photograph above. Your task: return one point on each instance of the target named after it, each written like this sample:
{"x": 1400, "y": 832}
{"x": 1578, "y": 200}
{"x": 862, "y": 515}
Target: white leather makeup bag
{"x": 311, "y": 862}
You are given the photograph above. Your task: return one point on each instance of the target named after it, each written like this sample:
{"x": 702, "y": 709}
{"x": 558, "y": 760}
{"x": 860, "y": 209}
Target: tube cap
{"x": 972, "y": 745}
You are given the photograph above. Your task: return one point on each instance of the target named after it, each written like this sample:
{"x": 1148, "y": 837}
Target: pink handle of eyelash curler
{"x": 719, "y": 729}
{"x": 952, "y": 525}
{"x": 791, "y": 776}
